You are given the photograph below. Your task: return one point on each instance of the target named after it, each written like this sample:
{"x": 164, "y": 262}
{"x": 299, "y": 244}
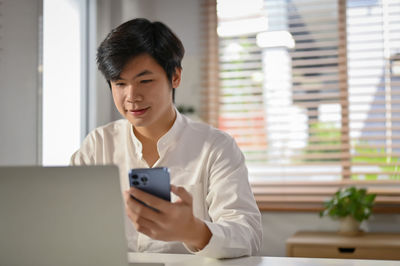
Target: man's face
{"x": 143, "y": 93}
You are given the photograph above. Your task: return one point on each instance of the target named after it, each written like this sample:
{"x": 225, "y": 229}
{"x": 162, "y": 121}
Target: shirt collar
{"x": 165, "y": 141}
{"x": 171, "y": 137}
{"x": 136, "y": 142}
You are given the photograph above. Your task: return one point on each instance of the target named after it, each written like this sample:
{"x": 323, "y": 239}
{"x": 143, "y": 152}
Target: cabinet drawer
{"x": 345, "y": 252}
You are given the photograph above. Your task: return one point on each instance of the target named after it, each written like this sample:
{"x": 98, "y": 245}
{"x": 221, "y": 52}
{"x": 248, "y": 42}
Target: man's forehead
{"x": 139, "y": 65}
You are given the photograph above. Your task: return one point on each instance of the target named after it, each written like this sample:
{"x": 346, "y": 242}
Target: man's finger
{"x": 182, "y": 194}
{"x": 142, "y": 223}
{"x": 150, "y": 200}
{"x": 141, "y": 210}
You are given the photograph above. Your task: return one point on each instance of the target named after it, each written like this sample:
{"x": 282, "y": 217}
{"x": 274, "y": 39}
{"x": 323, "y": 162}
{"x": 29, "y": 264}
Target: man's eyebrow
{"x": 144, "y": 72}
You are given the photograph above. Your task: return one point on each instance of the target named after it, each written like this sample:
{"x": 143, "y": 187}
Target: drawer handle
{"x": 346, "y": 250}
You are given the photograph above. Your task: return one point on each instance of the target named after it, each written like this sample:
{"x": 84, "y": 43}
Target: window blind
{"x": 309, "y": 89}
{"x": 373, "y": 30}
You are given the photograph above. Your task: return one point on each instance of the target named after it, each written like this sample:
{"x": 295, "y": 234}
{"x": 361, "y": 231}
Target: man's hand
{"x": 173, "y": 221}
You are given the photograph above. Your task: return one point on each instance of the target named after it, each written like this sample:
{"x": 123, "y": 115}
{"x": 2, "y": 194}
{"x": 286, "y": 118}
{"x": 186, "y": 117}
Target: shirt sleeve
{"x": 86, "y": 154}
{"x": 235, "y": 218}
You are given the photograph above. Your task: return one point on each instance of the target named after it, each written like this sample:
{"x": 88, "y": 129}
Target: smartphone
{"x": 155, "y": 181}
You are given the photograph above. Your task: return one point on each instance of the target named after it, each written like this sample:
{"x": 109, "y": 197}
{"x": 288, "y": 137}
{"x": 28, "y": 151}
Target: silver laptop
{"x": 61, "y": 216}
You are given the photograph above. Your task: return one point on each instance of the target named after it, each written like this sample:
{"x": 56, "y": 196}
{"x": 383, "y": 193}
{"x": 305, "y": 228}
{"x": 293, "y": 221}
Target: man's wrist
{"x": 200, "y": 236}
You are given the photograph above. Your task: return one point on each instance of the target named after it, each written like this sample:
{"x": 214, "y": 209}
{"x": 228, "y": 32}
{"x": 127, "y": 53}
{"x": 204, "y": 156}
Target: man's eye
{"x": 119, "y": 84}
{"x": 146, "y": 81}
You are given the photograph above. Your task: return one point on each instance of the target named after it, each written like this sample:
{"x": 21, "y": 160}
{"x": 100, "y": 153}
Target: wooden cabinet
{"x": 383, "y": 246}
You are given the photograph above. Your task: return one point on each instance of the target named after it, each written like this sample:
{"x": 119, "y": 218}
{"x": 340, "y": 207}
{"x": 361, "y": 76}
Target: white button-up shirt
{"x": 207, "y": 163}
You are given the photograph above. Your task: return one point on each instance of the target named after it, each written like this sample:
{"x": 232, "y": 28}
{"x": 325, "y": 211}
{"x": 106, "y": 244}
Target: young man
{"x": 212, "y": 210}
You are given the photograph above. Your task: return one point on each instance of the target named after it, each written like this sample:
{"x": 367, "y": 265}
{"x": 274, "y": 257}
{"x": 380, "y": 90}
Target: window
{"x": 64, "y": 79}
{"x": 310, "y": 89}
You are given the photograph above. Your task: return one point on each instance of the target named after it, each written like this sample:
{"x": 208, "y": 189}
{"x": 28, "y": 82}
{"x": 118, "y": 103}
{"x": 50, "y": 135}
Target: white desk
{"x": 192, "y": 260}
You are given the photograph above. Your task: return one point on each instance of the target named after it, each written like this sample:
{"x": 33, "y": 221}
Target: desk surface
{"x": 192, "y": 260}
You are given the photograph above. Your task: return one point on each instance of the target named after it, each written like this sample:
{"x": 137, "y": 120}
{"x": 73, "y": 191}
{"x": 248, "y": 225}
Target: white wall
{"x": 19, "y": 77}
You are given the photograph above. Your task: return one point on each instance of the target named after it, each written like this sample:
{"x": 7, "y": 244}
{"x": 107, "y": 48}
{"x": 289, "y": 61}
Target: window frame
{"x": 309, "y": 196}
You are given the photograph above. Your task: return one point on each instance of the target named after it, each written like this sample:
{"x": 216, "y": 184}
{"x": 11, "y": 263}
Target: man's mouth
{"x": 138, "y": 111}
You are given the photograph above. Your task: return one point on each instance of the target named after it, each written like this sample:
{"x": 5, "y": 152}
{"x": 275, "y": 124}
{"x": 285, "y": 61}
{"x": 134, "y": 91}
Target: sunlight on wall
{"x": 61, "y": 80}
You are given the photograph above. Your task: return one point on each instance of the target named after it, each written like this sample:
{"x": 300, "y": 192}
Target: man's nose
{"x": 133, "y": 94}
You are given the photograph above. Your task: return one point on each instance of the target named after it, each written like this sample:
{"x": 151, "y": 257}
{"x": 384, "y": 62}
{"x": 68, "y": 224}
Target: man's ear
{"x": 176, "y": 77}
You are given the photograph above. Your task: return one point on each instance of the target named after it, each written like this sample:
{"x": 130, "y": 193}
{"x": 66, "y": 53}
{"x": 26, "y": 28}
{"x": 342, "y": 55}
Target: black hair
{"x": 135, "y": 37}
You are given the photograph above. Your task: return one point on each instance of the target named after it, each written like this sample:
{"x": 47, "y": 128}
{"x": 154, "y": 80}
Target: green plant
{"x": 350, "y": 201}
{"x": 372, "y": 156}
{"x": 183, "y": 109}
{"x": 326, "y": 134}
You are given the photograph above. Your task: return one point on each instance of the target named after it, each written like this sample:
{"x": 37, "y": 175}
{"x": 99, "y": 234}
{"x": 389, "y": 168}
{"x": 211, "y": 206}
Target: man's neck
{"x": 151, "y": 135}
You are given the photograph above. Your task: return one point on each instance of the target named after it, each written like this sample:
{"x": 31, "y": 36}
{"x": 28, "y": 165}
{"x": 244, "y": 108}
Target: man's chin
{"x": 138, "y": 122}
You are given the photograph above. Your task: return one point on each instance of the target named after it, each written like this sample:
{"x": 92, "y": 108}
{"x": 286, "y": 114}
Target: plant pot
{"x": 349, "y": 226}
